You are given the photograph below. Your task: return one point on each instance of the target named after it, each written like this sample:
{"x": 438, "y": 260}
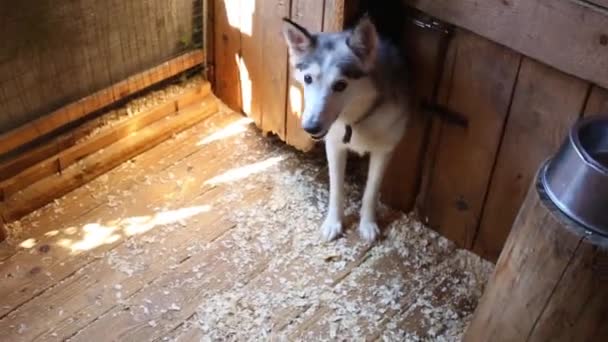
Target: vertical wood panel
{"x": 402, "y": 178}
{"x": 252, "y": 17}
{"x": 274, "y": 66}
{"x": 310, "y": 15}
{"x": 597, "y": 102}
{"x": 545, "y": 105}
{"x": 481, "y": 89}
{"x": 227, "y": 50}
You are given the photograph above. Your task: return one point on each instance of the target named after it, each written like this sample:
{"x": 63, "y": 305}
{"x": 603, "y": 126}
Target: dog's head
{"x": 330, "y": 67}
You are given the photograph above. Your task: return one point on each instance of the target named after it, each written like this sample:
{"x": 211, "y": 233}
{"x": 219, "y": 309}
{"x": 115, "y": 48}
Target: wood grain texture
{"x": 98, "y": 100}
{"x": 583, "y": 29}
{"x": 64, "y": 159}
{"x": 227, "y": 52}
{"x": 481, "y": 89}
{"x": 545, "y": 104}
{"x": 597, "y": 102}
{"x": 250, "y": 64}
{"x": 92, "y": 166}
{"x": 3, "y": 232}
{"x": 577, "y": 308}
{"x": 128, "y": 176}
{"x": 434, "y": 132}
{"x": 426, "y": 55}
{"x": 274, "y": 65}
{"x": 535, "y": 256}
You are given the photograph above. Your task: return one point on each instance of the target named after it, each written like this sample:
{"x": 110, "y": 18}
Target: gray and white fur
{"x": 355, "y": 98}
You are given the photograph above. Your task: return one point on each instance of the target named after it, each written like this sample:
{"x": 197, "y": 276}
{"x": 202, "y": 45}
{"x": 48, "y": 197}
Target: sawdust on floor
{"x": 413, "y": 285}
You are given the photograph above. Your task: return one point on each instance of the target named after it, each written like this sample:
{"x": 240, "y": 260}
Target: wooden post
{"x": 3, "y": 232}
{"x": 550, "y": 282}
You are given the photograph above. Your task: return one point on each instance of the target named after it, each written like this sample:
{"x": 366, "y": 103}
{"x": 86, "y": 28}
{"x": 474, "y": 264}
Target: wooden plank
{"x": 333, "y": 15}
{"x": 96, "y": 101}
{"x": 227, "y": 51}
{"x": 545, "y": 105}
{"x": 480, "y": 89}
{"x": 110, "y": 135}
{"x": 597, "y": 102}
{"x": 274, "y": 65}
{"x": 83, "y": 200}
{"x": 310, "y": 15}
{"x": 434, "y": 133}
{"x": 251, "y": 77}
{"x": 94, "y": 165}
{"x": 161, "y": 190}
{"x": 440, "y": 310}
{"x": 575, "y": 309}
{"x": 564, "y": 23}
{"x": 97, "y": 275}
{"x": 402, "y": 179}
{"x": 208, "y": 17}
{"x": 227, "y": 264}
{"x": 3, "y": 232}
{"x": 352, "y": 313}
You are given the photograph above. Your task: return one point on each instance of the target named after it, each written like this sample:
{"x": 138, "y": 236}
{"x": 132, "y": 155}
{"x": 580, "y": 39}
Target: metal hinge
{"x": 427, "y": 22}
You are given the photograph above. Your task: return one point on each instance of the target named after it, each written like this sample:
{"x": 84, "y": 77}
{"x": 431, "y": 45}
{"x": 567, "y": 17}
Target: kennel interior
{"x": 156, "y": 185}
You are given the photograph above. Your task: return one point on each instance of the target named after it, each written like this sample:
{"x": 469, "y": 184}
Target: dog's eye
{"x": 339, "y": 86}
{"x": 308, "y": 79}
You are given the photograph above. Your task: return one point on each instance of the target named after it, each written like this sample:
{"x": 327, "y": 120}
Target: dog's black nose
{"x": 313, "y": 128}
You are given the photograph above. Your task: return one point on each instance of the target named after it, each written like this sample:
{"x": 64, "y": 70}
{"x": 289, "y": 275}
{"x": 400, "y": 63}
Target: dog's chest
{"x": 356, "y": 139}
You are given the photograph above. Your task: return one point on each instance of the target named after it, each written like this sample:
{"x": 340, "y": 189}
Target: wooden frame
{"x": 74, "y": 111}
{"x": 61, "y": 161}
{"x": 569, "y": 35}
{"x": 54, "y": 177}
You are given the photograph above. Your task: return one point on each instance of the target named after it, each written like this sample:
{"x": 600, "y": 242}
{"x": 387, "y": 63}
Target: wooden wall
{"x": 251, "y": 62}
{"x": 520, "y": 71}
{"x": 520, "y": 98}
{"x": 56, "y": 52}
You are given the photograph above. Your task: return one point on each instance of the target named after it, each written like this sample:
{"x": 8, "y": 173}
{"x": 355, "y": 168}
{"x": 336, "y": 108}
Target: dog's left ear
{"x": 299, "y": 40}
{"x": 364, "y": 40}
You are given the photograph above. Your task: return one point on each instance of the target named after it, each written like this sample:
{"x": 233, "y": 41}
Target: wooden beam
{"x": 110, "y": 135}
{"x": 94, "y": 165}
{"x": 74, "y": 111}
{"x": 549, "y": 283}
{"x": 569, "y": 35}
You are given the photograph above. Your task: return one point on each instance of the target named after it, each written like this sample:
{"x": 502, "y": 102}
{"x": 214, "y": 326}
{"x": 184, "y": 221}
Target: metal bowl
{"x": 576, "y": 178}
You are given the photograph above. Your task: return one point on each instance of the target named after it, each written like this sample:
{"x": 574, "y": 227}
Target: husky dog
{"x": 355, "y": 98}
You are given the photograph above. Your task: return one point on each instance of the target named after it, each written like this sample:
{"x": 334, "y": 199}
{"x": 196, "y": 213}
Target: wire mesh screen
{"x": 53, "y": 52}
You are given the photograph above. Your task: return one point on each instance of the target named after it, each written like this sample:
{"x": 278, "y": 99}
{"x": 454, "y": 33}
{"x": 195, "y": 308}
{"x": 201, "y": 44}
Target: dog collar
{"x": 348, "y": 129}
{"x": 348, "y": 133}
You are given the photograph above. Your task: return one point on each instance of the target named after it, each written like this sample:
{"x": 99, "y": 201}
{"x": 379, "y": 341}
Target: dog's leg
{"x": 336, "y": 157}
{"x": 368, "y": 228}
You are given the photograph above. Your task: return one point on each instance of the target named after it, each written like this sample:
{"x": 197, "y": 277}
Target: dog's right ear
{"x": 299, "y": 40}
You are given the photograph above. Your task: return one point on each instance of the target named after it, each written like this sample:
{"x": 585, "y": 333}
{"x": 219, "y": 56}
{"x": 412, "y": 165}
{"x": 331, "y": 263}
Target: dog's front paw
{"x": 331, "y": 228}
{"x": 368, "y": 230}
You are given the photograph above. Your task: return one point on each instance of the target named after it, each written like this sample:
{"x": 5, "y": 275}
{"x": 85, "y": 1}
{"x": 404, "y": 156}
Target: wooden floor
{"x": 214, "y": 234}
